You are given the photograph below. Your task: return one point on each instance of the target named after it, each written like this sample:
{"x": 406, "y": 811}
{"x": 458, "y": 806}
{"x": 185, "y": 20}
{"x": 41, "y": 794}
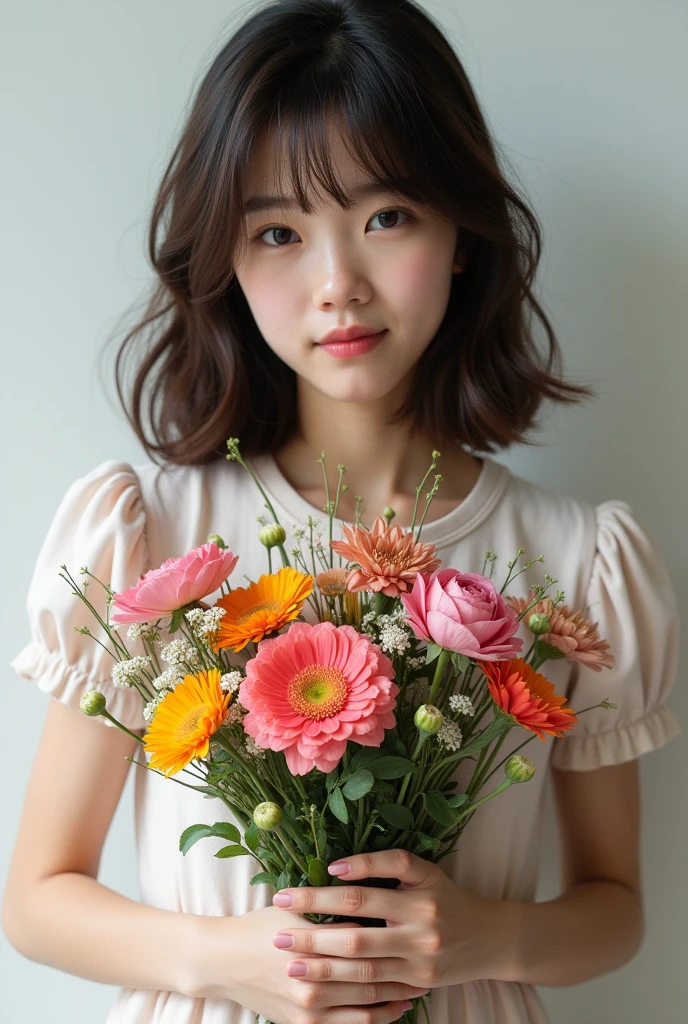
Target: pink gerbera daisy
{"x": 314, "y": 688}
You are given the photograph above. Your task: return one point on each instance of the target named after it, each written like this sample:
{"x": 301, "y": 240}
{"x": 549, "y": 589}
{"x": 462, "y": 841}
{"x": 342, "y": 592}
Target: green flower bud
{"x": 428, "y": 719}
{"x": 273, "y": 535}
{"x": 215, "y": 538}
{"x": 92, "y": 703}
{"x": 519, "y": 769}
{"x": 268, "y": 816}
{"x": 538, "y": 623}
{"x": 389, "y": 514}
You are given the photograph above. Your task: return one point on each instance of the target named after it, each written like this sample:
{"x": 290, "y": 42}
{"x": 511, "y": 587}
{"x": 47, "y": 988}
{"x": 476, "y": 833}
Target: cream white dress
{"x": 120, "y": 521}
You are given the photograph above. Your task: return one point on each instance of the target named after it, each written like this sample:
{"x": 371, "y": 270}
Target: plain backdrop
{"x": 588, "y": 103}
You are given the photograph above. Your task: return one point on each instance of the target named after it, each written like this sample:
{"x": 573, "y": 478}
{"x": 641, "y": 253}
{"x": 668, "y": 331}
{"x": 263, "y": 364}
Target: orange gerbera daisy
{"x": 185, "y": 720}
{"x": 574, "y": 635}
{"x": 261, "y": 608}
{"x": 389, "y": 559}
{"x": 528, "y": 697}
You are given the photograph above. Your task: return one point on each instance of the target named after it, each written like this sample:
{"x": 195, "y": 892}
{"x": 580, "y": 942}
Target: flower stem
{"x": 439, "y": 671}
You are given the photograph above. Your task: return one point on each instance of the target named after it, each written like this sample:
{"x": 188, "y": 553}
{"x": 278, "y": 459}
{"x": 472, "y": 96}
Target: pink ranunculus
{"x": 177, "y": 582}
{"x": 463, "y": 612}
{"x": 315, "y": 687}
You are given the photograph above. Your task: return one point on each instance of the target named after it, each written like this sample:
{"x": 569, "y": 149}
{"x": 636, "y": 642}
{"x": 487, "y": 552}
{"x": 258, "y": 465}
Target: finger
{"x": 352, "y": 900}
{"x": 360, "y": 972}
{"x": 318, "y": 997}
{"x": 407, "y": 867}
{"x": 386, "y": 1014}
{"x": 346, "y": 942}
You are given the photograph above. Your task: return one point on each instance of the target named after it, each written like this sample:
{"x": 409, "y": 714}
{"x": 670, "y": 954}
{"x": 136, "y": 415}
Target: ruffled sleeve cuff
{"x": 68, "y": 684}
{"x": 614, "y": 746}
{"x": 100, "y": 525}
{"x": 631, "y": 599}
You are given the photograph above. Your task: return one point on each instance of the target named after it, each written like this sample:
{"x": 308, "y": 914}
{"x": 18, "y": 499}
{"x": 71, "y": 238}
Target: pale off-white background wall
{"x": 588, "y": 101}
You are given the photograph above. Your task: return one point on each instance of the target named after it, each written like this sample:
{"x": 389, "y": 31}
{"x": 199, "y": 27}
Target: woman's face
{"x": 385, "y": 263}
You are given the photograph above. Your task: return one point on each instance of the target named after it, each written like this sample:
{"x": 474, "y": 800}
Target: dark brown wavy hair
{"x": 399, "y": 96}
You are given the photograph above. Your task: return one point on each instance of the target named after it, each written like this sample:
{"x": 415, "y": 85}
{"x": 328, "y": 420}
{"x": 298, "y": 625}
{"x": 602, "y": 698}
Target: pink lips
{"x": 351, "y": 341}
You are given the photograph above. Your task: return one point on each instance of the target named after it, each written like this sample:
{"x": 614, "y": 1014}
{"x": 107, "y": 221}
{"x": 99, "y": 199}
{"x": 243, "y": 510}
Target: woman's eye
{"x": 276, "y": 231}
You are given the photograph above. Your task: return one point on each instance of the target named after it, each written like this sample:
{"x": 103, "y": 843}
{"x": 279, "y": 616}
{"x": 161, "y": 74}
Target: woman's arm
{"x": 54, "y": 911}
{"x": 596, "y": 924}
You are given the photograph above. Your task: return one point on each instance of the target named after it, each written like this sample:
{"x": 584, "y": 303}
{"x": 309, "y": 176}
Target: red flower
{"x": 528, "y": 697}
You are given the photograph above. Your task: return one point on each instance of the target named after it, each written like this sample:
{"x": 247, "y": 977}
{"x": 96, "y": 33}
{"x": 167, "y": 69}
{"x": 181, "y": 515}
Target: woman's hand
{"x": 236, "y": 959}
{"x": 437, "y": 933}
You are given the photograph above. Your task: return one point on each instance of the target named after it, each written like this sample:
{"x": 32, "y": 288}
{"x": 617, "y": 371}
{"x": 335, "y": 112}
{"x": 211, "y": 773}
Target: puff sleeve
{"x": 631, "y": 597}
{"x": 100, "y": 524}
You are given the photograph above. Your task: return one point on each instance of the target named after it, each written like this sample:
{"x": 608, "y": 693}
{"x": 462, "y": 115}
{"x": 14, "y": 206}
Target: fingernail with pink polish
{"x": 297, "y": 970}
{"x": 283, "y": 941}
{"x": 406, "y": 1006}
{"x": 339, "y": 868}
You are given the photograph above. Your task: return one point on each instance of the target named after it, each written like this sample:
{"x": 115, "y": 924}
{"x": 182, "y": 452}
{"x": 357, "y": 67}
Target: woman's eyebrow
{"x": 266, "y": 202}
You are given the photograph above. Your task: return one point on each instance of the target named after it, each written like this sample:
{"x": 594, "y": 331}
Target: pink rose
{"x": 462, "y": 612}
{"x": 178, "y": 582}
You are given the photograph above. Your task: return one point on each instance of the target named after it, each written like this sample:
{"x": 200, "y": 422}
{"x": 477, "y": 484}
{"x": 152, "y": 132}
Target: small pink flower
{"x": 178, "y": 582}
{"x": 463, "y": 612}
{"x": 315, "y": 687}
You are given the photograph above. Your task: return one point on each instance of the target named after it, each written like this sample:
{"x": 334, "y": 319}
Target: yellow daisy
{"x": 263, "y": 607}
{"x": 185, "y": 720}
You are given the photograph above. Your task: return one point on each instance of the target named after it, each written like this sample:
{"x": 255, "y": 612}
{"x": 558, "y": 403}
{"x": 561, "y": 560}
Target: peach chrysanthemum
{"x": 185, "y": 720}
{"x": 261, "y": 608}
{"x": 315, "y": 687}
{"x": 333, "y": 582}
{"x": 389, "y": 558}
{"x": 528, "y": 697}
{"x": 573, "y": 634}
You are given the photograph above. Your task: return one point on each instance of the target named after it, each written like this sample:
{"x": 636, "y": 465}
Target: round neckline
{"x": 478, "y": 504}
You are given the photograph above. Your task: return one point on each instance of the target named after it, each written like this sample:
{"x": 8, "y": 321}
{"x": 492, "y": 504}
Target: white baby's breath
{"x": 152, "y": 705}
{"x": 168, "y": 679}
{"x": 394, "y": 639}
{"x": 180, "y": 653}
{"x": 204, "y": 622}
{"x": 450, "y": 735}
{"x": 462, "y": 704}
{"x": 125, "y": 673}
{"x": 235, "y": 713}
{"x": 252, "y": 748}
{"x": 142, "y": 631}
{"x": 230, "y": 681}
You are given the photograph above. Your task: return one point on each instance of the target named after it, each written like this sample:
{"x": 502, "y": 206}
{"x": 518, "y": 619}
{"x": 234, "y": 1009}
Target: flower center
{"x": 189, "y": 723}
{"x": 318, "y": 691}
{"x": 263, "y": 606}
{"x": 391, "y": 557}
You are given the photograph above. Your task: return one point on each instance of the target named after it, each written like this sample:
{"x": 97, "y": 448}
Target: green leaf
{"x": 283, "y": 879}
{"x": 425, "y": 842}
{"x": 252, "y": 836}
{"x": 397, "y": 815}
{"x": 392, "y": 767}
{"x": 458, "y": 800}
{"x": 317, "y": 872}
{"x": 338, "y": 806}
{"x": 233, "y": 851}
{"x": 438, "y": 808}
{"x": 331, "y": 778}
{"x": 263, "y": 877}
{"x": 321, "y": 836}
{"x": 176, "y": 620}
{"x": 360, "y": 783}
{"x": 225, "y": 830}
{"x": 191, "y": 835}
{"x": 460, "y": 662}
{"x": 547, "y": 652}
{"x": 363, "y": 757}
{"x": 433, "y": 651}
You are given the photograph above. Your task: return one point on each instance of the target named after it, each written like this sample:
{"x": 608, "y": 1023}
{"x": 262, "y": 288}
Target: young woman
{"x": 336, "y": 178}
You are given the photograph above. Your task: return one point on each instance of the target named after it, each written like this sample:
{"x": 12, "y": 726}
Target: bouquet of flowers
{"x": 342, "y": 735}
